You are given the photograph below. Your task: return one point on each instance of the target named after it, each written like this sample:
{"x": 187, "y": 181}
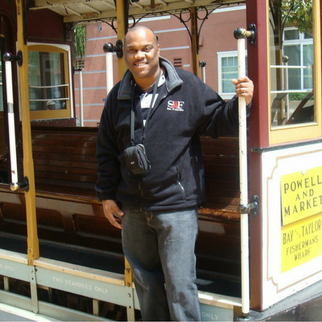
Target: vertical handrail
{"x": 240, "y": 34}
{"x": 109, "y": 71}
{"x": 81, "y": 98}
{"x": 11, "y": 124}
{"x": 243, "y": 182}
{"x": 202, "y": 65}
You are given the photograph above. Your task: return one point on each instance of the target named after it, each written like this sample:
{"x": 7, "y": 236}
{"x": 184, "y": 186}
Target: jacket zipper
{"x": 139, "y": 185}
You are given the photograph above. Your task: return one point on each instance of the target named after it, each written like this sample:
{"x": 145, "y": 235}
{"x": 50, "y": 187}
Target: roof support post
{"x": 28, "y": 164}
{"x": 122, "y": 11}
{"x": 194, "y": 40}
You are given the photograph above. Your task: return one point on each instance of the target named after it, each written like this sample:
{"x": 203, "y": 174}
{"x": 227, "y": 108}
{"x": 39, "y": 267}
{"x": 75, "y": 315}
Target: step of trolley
{"x": 61, "y": 289}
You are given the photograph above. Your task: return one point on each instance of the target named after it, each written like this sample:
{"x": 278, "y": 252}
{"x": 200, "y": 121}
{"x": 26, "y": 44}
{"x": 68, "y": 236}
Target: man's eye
{"x": 131, "y": 51}
{"x": 147, "y": 49}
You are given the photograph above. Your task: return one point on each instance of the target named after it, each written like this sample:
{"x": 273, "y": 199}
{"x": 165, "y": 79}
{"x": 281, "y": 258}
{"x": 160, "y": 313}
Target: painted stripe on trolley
{"x": 10, "y": 313}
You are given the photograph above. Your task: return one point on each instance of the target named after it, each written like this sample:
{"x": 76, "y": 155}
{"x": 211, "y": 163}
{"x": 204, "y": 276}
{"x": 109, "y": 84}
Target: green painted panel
{"x": 14, "y": 269}
{"x": 88, "y": 287}
{"x": 213, "y": 313}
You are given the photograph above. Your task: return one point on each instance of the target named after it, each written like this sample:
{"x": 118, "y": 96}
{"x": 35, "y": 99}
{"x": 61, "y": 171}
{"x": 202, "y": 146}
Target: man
{"x": 159, "y": 207}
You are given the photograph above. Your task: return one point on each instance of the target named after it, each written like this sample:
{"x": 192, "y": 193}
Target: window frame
{"x": 302, "y": 131}
{"x": 66, "y": 51}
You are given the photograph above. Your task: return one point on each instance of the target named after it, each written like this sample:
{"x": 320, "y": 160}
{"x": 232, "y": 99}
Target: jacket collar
{"x": 172, "y": 80}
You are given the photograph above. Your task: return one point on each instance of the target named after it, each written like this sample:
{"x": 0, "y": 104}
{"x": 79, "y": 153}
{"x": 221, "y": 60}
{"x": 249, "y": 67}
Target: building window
{"x": 49, "y": 81}
{"x": 227, "y": 70}
{"x": 298, "y": 51}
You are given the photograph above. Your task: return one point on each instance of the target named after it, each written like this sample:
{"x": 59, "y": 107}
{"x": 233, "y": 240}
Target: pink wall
{"x": 216, "y": 35}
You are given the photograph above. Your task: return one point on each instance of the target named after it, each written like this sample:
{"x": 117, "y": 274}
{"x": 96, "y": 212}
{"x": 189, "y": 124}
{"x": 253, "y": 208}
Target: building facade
{"x": 217, "y": 48}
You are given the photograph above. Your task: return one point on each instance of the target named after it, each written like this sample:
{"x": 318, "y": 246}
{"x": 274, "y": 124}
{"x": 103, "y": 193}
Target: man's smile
{"x": 139, "y": 64}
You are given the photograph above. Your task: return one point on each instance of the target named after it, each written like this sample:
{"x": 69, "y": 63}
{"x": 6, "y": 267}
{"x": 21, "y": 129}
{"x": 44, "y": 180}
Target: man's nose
{"x": 139, "y": 54}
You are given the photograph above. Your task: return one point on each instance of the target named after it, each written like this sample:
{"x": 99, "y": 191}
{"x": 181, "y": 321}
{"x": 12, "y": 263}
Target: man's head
{"x": 141, "y": 54}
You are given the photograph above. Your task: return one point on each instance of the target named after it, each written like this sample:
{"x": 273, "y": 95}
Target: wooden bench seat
{"x": 65, "y": 162}
{"x": 65, "y": 167}
{"x": 221, "y": 161}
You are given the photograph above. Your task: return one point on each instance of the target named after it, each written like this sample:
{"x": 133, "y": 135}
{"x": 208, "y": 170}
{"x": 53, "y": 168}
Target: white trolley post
{"x": 109, "y": 71}
{"x": 245, "y": 207}
{"x": 8, "y": 58}
{"x": 109, "y": 48}
{"x": 202, "y": 65}
{"x": 81, "y": 98}
{"x": 14, "y": 185}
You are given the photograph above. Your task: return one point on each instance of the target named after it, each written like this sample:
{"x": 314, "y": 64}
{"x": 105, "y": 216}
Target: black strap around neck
{"x": 150, "y": 108}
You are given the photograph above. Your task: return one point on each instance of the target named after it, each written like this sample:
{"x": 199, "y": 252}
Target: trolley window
{"x": 295, "y": 68}
{"x": 49, "y": 82}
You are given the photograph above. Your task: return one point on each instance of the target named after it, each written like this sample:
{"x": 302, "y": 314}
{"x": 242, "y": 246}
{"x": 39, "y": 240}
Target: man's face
{"x": 141, "y": 54}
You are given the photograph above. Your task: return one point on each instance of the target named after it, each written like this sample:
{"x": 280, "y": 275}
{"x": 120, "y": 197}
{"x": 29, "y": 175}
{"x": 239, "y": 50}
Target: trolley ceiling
{"x": 87, "y": 10}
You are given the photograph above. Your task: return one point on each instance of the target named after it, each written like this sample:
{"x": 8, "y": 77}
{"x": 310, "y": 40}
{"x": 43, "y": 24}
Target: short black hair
{"x": 138, "y": 27}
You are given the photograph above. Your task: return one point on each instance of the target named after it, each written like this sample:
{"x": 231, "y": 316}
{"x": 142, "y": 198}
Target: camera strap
{"x": 155, "y": 87}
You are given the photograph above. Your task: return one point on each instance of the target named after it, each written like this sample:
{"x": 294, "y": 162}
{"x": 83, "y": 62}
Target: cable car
{"x": 259, "y": 249}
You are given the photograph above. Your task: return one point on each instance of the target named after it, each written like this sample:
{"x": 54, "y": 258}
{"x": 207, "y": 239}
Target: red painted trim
{"x": 258, "y": 137}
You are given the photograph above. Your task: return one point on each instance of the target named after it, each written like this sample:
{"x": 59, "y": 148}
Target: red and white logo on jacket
{"x": 175, "y": 106}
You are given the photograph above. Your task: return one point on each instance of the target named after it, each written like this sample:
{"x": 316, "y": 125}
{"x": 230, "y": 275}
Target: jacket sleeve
{"x": 220, "y": 118}
{"x": 108, "y": 166}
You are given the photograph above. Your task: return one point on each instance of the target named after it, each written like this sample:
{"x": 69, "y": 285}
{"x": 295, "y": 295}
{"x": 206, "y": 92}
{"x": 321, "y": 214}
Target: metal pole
{"x": 202, "y": 65}
{"x": 194, "y": 41}
{"x": 81, "y": 101}
{"x": 122, "y": 21}
{"x": 109, "y": 71}
{"x": 11, "y": 125}
{"x": 243, "y": 182}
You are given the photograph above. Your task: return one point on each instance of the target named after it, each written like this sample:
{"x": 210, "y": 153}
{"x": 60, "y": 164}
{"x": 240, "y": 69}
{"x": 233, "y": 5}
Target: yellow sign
{"x": 301, "y": 202}
{"x": 301, "y": 195}
{"x": 301, "y": 242}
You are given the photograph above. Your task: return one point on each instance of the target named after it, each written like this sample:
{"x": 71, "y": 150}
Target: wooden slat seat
{"x": 65, "y": 167}
{"x": 65, "y": 161}
{"x": 221, "y": 161}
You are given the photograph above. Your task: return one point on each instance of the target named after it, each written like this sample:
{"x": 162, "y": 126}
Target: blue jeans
{"x": 160, "y": 247}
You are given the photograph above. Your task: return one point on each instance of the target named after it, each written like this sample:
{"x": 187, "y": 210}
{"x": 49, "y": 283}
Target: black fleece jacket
{"x": 185, "y": 108}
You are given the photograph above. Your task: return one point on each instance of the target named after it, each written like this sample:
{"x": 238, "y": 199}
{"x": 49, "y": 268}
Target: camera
{"x": 136, "y": 159}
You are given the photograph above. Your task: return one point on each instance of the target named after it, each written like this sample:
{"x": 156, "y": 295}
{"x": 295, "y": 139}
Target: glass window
{"x": 291, "y": 34}
{"x": 227, "y": 70}
{"x": 49, "y": 86}
{"x": 292, "y": 99}
{"x": 294, "y": 45}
